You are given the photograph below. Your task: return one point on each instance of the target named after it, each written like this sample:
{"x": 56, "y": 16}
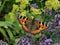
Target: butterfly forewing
{"x": 23, "y": 20}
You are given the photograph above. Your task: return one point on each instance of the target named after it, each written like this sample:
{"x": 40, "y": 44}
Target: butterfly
{"x": 31, "y": 25}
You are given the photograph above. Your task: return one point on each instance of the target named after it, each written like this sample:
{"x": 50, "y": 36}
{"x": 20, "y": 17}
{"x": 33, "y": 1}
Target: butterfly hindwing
{"x": 26, "y": 28}
{"x": 42, "y": 26}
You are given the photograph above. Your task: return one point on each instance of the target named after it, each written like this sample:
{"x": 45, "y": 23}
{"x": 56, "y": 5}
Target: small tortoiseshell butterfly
{"x": 31, "y": 25}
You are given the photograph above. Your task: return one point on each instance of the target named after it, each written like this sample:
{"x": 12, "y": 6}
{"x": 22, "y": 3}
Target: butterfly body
{"x": 31, "y": 25}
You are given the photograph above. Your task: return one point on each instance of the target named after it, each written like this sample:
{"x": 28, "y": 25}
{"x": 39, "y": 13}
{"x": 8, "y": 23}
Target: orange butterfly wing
{"x": 23, "y": 21}
{"x": 41, "y": 26}
{"x": 26, "y": 28}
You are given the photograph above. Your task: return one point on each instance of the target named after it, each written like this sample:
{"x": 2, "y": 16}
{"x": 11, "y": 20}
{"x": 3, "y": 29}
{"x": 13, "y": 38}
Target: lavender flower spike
{"x": 34, "y": 5}
{"x": 57, "y": 16}
{"x": 41, "y": 43}
{"x": 59, "y": 22}
{"x": 25, "y": 41}
{"x": 48, "y": 11}
{"x": 48, "y": 40}
{"x": 3, "y": 43}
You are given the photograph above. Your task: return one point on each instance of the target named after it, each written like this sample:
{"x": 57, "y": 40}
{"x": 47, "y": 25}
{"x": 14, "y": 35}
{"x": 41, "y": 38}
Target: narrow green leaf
{"x": 4, "y": 34}
{"x": 10, "y": 34}
{"x": 5, "y": 23}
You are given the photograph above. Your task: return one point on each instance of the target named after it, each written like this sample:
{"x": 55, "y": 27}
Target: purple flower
{"x": 59, "y": 22}
{"x": 41, "y": 43}
{"x": 44, "y": 37}
{"x": 25, "y": 41}
{"x": 48, "y": 40}
{"x": 48, "y": 11}
{"x": 34, "y": 5}
{"x": 3, "y": 43}
{"x": 57, "y": 16}
{"x": 45, "y": 41}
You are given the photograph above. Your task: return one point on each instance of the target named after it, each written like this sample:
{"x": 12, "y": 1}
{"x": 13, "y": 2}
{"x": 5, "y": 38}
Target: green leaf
{"x": 37, "y": 36}
{"x": 1, "y": 8}
{"x": 29, "y": 15}
{"x": 4, "y": 34}
{"x": 10, "y": 34}
{"x": 16, "y": 25}
{"x": 5, "y": 23}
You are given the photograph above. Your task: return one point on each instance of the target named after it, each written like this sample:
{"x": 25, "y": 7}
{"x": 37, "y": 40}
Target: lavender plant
{"x": 3, "y": 43}
{"x": 25, "y": 41}
{"x": 48, "y": 11}
{"x": 45, "y": 41}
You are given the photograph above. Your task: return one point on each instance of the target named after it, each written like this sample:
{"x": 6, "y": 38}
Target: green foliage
{"x": 4, "y": 34}
{"x": 55, "y": 4}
